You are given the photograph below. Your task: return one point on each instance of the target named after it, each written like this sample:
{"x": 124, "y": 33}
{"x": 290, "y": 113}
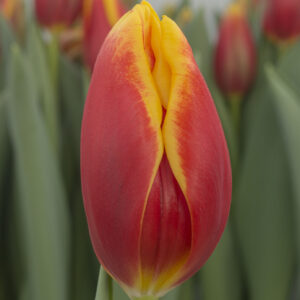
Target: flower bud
{"x": 57, "y": 13}
{"x": 282, "y": 19}
{"x": 155, "y": 168}
{"x": 13, "y": 12}
{"x": 99, "y": 17}
{"x": 235, "y": 55}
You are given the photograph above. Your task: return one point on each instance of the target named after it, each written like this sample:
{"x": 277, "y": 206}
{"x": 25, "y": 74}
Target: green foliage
{"x": 45, "y": 222}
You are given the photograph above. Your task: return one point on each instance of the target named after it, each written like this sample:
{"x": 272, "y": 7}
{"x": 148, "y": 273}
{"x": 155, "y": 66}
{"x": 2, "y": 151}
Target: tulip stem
{"x": 235, "y": 103}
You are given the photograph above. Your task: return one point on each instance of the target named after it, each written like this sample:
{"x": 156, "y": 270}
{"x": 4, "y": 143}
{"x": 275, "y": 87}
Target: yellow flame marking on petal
{"x": 138, "y": 28}
{"x": 160, "y": 88}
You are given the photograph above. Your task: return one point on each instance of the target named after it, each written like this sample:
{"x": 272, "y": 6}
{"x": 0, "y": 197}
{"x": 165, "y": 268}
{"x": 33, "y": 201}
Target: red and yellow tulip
{"x": 57, "y": 13}
{"x": 99, "y": 18}
{"x": 235, "y": 55}
{"x": 282, "y": 19}
{"x": 155, "y": 168}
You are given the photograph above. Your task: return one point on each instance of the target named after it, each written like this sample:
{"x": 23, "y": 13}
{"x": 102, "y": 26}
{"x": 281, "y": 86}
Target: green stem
{"x": 235, "y": 106}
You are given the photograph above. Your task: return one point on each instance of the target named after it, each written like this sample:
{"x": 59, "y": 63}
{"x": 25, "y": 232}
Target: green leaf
{"x": 4, "y": 183}
{"x": 43, "y": 75}
{"x": 4, "y": 142}
{"x": 227, "y": 123}
{"x": 221, "y": 276}
{"x": 287, "y": 104}
{"x": 197, "y": 35}
{"x": 118, "y": 292}
{"x": 263, "y": 207}
{"x": 7, "y": 38}
{"x": 85, "y": 267}
{"x": 72, "y": 93}
{"x": 289, "y": 66}
{"x": 105, "y": 286}
{"x": 184, "y": 291}
{"x": 41, "y": 197}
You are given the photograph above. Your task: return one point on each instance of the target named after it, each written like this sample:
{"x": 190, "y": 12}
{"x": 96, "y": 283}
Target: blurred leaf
{"x": 85, "y": 267}
{"x": 287, "y": 105}
{"x": 41, "y": 198}
{"x": 4, "y": 174}
{"x": 289, "y": 66}
{"x": 4, "y": 148}
{"x": 104, "y": 288}
{"x": 71, "y": 90}
{"x": 118, "y": 292}
{"x": 7, "y": 38}
{"x": 221, "y": 275}
{"x": 197, "y": 35}
{"x": 43, "y": 75}
{"x": 73, "y": 94}
{"x": 184, "y": 291}
{"x": 227, "y": 124}
{"x": 263, "y": 207}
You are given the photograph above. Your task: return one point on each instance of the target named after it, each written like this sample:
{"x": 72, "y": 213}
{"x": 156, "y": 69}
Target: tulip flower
{"x": 282, "y": 19}
{"x": 156, "y": 173}
{"x": 99, "y": 17}
{"x": 12, "y": 10}
{"x": 235, "y": 55}
{"x": 7, "y": 8}
{"x": 57, "y": 13}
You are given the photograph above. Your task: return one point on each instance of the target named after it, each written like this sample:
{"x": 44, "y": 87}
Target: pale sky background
{"x": 210, "y": 6}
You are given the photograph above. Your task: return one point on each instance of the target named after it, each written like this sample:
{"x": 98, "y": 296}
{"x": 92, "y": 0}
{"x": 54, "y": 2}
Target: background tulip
{"x": 235, "y": 55}
{"x": 282, "y": 19}
{"x": 99, "y": 17}
{"x": 7, "y": 7}
{"x": 57, "y": 12}
{"x": 156, "y": 174}
{"x": 13, "y": 11}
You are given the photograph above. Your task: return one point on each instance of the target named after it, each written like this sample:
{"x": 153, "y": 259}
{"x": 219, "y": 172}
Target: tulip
{"x": 7, "y": 7}
{"x": 156, "y": 173}
{"x": 282, "y": 20}
{"x": 57, "y": 13}
{"x": 12, "y": 10}
{"x": 99, "y": 17}
{"x": 235, "y": 55}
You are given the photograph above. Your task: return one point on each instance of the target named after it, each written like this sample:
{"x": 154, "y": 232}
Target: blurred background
{"x": 249, "y": 54}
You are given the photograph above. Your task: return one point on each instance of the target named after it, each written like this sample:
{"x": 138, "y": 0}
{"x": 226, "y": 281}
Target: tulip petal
{"x": 121, "y": 148}
{"x": 196, "y": 149}
{"x": 166, "y": 236}
{"x": 99, "y": 17}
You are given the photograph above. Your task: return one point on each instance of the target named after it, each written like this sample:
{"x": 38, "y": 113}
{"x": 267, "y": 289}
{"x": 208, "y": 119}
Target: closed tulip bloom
{"x": 7, "y": 7}
{"x": 57, "y": 13}
{"x": 282, "y": 19}
{"x": 235, "y": 55}
{"x": 156, "y": 174}
{"x": 12, "y": 11}
{"x": 99, "y": 18}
